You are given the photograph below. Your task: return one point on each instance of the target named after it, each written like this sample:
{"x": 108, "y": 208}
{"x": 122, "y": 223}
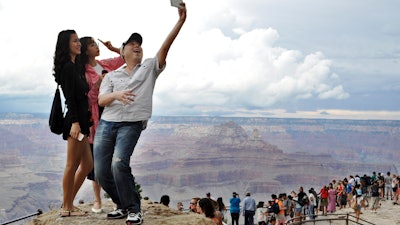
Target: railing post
{"x": 39, "y": 211}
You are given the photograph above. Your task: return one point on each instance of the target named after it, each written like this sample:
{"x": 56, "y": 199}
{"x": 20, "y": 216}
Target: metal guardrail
{"x": 337, "y": 217}
{"x": 39, "y": 211}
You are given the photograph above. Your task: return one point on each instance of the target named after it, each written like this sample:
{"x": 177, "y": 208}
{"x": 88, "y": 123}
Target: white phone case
{"x": 80, "y": 137}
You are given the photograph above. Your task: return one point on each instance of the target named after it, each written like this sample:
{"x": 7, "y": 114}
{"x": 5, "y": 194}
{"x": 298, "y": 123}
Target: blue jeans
{"x": 311, "y": 212}
{"x": 114, "y": 143}
{"x": 249, "y": 217}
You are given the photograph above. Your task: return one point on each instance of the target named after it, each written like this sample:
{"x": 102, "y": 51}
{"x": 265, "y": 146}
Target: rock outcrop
{"x": 154, "y": 214}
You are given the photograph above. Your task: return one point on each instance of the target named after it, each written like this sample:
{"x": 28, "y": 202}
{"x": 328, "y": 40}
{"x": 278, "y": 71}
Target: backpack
{"x": 368, "y": 180}
{"x": 56, "y": 119}
{"x": 374, "y": 191}
{"x": 304, "y": 201}
{"x": 275, "y": 208}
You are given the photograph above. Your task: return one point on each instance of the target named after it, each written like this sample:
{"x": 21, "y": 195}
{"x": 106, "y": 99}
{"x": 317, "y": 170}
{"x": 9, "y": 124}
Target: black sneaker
{"x": 117, "y": 214}
{"x": 134, "y": 218}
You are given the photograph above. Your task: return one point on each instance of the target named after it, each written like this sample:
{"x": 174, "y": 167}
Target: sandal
{"x": 68, "y": 213}
{"x": 76, "y": 209}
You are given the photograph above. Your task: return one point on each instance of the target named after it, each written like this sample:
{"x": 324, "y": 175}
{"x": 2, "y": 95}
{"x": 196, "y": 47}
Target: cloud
{"x": 248, "y": 72}
{"x": 231, "y": 57}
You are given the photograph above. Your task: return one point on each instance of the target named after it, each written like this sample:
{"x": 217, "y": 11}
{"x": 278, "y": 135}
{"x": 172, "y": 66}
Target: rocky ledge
{"x": 154, "y": 214}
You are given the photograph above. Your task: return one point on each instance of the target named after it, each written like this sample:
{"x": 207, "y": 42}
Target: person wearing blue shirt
{"x": 234, "y": 208}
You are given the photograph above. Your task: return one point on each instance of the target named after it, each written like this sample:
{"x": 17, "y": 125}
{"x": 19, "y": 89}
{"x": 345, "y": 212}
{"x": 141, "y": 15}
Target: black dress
{"x": 75, "y": 89}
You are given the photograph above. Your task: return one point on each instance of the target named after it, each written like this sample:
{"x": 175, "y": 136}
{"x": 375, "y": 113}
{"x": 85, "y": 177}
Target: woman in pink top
{"x": 95, "y": 71}
{"x": 331, "y": 199}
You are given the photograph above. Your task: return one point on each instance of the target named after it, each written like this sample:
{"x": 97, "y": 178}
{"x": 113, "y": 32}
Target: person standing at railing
{"x": 374, "y": 196}
{"x": 234, "y": 208}
{"x": 331, "y": 208}
{"x": 324, "y": 199}
{"x": 311, "y": 207}
{"x": 360, "y": 202}
{"x": 261, "y": 214}
{"x": 249, "y": 209}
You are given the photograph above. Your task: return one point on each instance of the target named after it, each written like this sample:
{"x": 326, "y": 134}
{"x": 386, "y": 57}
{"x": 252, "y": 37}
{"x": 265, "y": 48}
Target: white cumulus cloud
{"x": 248, "y": 71}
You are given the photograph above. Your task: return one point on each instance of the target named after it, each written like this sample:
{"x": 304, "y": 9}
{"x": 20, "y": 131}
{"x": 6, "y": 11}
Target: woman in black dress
{"x": 69, "y": 74}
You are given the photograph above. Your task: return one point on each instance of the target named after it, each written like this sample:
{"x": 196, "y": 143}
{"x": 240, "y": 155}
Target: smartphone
{"x": 80, "y": 137}
{"x": 176, "y": 3}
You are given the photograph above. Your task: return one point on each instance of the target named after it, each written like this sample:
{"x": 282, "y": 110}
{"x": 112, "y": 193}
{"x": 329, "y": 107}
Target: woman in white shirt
{"x": 311, "y": 207}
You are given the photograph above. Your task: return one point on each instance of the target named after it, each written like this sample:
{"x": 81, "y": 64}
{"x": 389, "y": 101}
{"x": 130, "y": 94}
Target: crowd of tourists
{"x": 355, "y": 192}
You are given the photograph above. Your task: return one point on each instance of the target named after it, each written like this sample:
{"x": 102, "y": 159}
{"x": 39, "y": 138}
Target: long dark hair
{"x": 61, "y": 55}
{"x": 84, "y": 58}
{"x": 207, "y": 207}
{"x": 221, "y": 204}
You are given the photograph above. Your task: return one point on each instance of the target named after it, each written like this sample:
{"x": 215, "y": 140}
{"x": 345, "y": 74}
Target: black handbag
{"x": 56, "y": 119}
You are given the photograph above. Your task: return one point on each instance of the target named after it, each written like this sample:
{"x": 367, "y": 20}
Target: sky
{"x": 254, "y": 58}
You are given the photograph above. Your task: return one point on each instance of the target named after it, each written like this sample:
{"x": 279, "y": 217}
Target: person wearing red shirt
{"x": 324, "y": 199}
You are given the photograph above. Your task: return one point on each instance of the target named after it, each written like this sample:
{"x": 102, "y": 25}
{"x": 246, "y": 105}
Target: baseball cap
{"x": 134, "y": 37}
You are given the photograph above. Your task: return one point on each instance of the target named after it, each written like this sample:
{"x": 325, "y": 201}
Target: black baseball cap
{"x": 134, "y": 37}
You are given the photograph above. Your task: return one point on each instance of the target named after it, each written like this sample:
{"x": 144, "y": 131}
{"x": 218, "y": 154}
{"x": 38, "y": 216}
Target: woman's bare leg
{"x": 97, "y": 198}
{"x": 85, "y": 165}
{"x": 71, "y": 166}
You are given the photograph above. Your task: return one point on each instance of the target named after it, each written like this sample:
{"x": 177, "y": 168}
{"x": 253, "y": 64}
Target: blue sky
{"x": 280, "y": 58}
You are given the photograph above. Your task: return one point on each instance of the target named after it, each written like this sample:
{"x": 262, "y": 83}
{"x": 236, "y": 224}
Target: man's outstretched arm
{"x": 163, "y": 52}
